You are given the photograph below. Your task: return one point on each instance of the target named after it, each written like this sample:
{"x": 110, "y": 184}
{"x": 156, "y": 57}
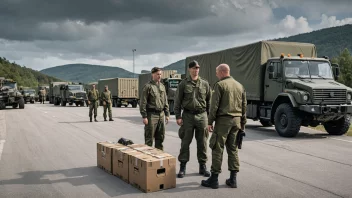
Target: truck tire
{"x": 338, "y": 127}
{"x": 287, "y": 120}
{"x": 134, "y": 104}
{"x": 266, "y": 123}
{"x": 21, "y": 103}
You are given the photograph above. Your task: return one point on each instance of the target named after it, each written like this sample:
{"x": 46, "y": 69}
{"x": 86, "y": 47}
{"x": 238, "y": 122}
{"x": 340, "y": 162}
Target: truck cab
{"x": 10, "y": 95}
{"x": 73, "y": 93}
{"x": 302, "y": 91}
{"x": 29, "y": 95}
{"x": 171, "y": 85}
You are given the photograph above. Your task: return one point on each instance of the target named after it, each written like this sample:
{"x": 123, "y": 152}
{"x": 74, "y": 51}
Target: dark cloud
{"x": 43, "y": 33}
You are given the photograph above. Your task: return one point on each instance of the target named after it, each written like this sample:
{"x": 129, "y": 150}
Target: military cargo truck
{"x": 71, "y": 94}
{"x": 54, "y": 92}
{"x": 10, "y": 95}
{"x": 124, "y": 91}
{"x": 170, "y": 80}
{"x": 29, "y": 95}
{"x": 286, "y": 85}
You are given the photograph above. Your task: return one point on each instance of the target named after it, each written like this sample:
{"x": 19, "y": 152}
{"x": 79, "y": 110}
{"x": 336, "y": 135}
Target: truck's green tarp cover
{"x": 245, "y": 62}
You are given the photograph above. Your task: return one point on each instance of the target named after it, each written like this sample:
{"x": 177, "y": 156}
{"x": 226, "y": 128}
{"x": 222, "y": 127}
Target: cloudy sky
{"x": 46, "y": 33}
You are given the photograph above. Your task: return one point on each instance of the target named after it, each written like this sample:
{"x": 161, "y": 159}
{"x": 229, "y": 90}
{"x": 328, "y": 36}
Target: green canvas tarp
{"x": 245, "y": 62}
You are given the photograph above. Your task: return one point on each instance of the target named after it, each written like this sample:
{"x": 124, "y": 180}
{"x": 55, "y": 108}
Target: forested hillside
{"x": 26, "y": 77}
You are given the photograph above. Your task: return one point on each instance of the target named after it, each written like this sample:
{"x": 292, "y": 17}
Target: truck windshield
{"x": 10, "y": 84}
{"x": 173, "y": 83}
{"x": 307, "y": 69}
{"x": 74, "y": 87}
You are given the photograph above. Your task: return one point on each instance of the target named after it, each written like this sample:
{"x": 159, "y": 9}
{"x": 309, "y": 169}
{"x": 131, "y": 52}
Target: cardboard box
{"x": 153, "y": 171}
{"x": 120, "y": 162}
{"x": 104, "y": 155}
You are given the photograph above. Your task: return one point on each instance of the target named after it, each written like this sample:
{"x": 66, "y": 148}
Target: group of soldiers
{"x": 93, "y": 100}
{"x": 225, "y": 105}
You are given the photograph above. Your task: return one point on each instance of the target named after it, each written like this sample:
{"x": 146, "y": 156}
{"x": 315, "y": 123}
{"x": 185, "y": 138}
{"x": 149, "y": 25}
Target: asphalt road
{"x": 50, "y": 151}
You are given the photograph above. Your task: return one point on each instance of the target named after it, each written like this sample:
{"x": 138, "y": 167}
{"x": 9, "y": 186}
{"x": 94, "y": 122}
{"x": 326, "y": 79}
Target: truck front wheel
{"x": 287, "y": 121}
{"x": 21, "y": 103}
{"x": 338, "y": 127}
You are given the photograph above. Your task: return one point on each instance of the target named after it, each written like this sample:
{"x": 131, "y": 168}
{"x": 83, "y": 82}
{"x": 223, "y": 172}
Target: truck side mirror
{"x": 335, "y": 70}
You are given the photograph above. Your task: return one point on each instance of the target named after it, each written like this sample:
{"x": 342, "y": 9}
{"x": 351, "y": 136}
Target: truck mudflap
{"x": 328, "y": 109}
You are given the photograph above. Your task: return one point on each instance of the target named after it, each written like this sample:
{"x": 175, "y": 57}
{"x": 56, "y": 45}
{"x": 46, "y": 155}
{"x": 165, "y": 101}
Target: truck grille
{"x": 79, "y": 95}
{"x": 329, "y": 96}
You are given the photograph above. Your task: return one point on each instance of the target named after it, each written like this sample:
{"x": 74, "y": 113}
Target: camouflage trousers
{"x": 93, "y": 105}
{"x": 155, "y": 129}
{"x": 194, "y": 125}
{"x": 107, "y": 107}
{"x": 225, "y": 133}
{"x": 43, "y": 99}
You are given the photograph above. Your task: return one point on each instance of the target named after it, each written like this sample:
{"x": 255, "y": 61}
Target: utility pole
{"x": 133, "y": 62}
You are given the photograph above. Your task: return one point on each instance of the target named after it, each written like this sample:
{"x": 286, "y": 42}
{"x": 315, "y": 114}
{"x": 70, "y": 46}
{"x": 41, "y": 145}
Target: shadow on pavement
{"x": 109, "y": 184}
{"x": 258, "y": 132}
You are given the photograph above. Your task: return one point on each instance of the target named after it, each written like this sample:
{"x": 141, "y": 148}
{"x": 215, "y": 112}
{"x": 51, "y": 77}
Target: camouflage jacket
{"x": 192, "y": 96}
{"x": 93, "y": 95}
{"x": 106, "y": 96}
{"x": 153, "y": 97}
{"x": 228, "y": 98}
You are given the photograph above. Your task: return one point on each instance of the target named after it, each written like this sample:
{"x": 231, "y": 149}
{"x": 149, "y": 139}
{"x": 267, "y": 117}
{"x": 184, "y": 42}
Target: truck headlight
{"x": 349, "y": 96}
{"x": 305, "y": 98}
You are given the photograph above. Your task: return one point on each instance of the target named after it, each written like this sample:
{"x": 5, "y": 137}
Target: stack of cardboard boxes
{"x": 147, "y": 168}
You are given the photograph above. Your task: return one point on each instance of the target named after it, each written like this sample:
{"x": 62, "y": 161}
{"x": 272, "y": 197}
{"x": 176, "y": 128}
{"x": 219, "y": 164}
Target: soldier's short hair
{"x": 194, "y": 63}
{"x": 155, "y": 69}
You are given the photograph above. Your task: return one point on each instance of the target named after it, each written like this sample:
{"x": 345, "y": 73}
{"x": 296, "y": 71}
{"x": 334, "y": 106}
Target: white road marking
{"x": 341, "y": 140}
{"x": 2, "y": 143}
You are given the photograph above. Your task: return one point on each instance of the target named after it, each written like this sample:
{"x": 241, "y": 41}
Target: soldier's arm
{"x": 143, "y": 102}
{"x": 178, "y": 99}
{"x": 244, "y": 109}
{"x": 214, "y": 104}
{"x": 208, "y": 98}
{"x": 166, "y": 106}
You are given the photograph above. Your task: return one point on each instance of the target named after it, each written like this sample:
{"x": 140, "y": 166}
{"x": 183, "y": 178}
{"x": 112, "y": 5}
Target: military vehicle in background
{"x": 29, "y": 94}
{"x": 71, "y": 94}
{"x": 9, "y": 94}
{"x": 54, "y": 92}
{"x": 46, "y": 87}
{"x": 124, "y": 91}
{"x": 170, "y": 80}
{"x": 286, "y": 85}
{"x": 183, "y": 76}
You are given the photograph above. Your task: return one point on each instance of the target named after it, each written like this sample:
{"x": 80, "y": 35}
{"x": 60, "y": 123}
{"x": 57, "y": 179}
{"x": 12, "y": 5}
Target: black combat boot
{"x": 111, "y": 119}
{"x": 95, "y": 119}
{"x": 182, "y": 172}
{"x": 90, "y": 119}
{"x": 203, "y": 170}
{"x": 232, "y": 181}
{"x": 105, "y": 119}
{"x": 212, "y": 181}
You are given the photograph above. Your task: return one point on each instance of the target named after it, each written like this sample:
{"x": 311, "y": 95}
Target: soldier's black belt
{"x": 154, "y": 110}
{"x": 194, "y": 112}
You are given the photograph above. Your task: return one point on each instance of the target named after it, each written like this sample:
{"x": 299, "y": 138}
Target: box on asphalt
{"x": 104, "y": 155}
{"x": 120, "y": 162}
{"x": 151, "y": 170}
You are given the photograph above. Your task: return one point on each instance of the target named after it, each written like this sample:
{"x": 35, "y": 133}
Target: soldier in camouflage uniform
{"x": 42, "y": 94}
{"x": 106, "y": 98}
{"x": 154, "y": 109}
{"x": 93, "y": 101}
{"x": 228, "y": 110}
{"x": 193, "y": 96}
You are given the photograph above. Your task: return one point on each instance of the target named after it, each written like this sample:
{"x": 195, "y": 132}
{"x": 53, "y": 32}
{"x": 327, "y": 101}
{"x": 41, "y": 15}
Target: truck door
{"x": 273, "y": 80}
